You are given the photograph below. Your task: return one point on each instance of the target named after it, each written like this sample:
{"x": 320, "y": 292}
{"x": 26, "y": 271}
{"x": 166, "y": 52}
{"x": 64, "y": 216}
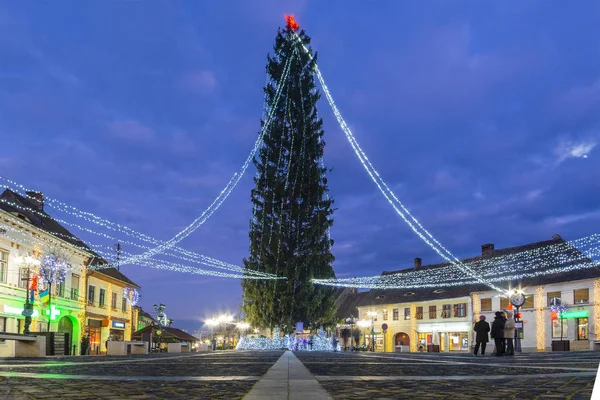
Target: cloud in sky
{"x": 463, "y": 112}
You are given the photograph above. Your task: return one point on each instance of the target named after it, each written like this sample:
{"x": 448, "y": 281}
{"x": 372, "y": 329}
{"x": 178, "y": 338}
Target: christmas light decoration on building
{"x": 132, "y": 295}
{"x": 540, "y": 319}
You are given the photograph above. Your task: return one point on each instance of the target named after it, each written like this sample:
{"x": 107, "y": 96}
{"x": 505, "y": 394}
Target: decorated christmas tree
{"x": 292, "y": 211}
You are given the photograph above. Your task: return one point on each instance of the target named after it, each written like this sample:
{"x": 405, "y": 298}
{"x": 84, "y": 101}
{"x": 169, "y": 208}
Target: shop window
{"x": 432, "y": 312}
{"x": 581, "y": 296}
{"x": 406, "y": 313}
{"x": 582, "y": 329}
{"x": 446, "y": 311}
{"x": 91, "y": 294}
{"x": 113, "y": 302}
{"x": 553, "y": 299}
{"x": 486, "y": 304}
{"x": 419, "y": 311}
{"x": 458, "y": 341}
{"x": 395, "y": 314}
{"x": 460, "y": 310}
{"x": 3, "y": 266}
{"x": 102, "y": 299}
{"x": 556, "y": 323}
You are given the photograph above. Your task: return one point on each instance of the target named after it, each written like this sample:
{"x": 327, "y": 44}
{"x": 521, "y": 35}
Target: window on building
{"x": 395, "y": 314}
{"x": 23, "y": 278}
{"x": 3, "y": 266}
{"x": 504, "y": 303}
{"x": 446, "y": 311}
{"x": 486, "y": 304}
{"x": 74, "y": 287}
{"x": 407, "y": 313}
{"x": 581, "y": 296}
{"x": 419, "y": 312}
{"x": 528, "y": 301}
{"x": 102, "y": 299}
{"x": 582, "y": 329}
{"x": 113, "y": 303}
{"x": 556, "y": 324}
{"x": 460, "y": 310}
{"x": 61, "y": 289}
{"x": 2, "y": 324}
{"x": 432, "y": 312}
{"x": 553, "y": 298}
{"x": 124, "y": 304}
{"x": 385, "y": 314}
{"x": 91, "y": 294}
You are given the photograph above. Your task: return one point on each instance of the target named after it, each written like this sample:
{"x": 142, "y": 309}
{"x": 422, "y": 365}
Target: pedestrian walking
{"x": 481, "y": 338}
{"x": 509, "y": 334}
{"x": 497, "y": 332}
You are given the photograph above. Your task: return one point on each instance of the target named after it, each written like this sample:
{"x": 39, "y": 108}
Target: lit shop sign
{"x": 117, "y": 324}
{"x": 574, "y": 314}
{"x": 18, "y": 311}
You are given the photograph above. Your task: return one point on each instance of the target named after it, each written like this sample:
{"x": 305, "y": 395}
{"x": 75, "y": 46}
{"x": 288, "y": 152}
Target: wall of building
{"x": 440, "y": 331}
{"x": 538, "y": 323}
{"x": 67, "y": 301}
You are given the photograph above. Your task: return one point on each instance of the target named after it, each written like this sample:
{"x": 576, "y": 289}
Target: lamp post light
{"x": 372, "y": 314}
{"x": 28, "y": 263}
{"x": 351, "y": 321}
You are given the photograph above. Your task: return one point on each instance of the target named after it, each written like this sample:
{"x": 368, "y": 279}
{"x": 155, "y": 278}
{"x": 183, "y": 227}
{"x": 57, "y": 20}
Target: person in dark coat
{"x": 497, "y": 332}
{"x": 482, "y": 328}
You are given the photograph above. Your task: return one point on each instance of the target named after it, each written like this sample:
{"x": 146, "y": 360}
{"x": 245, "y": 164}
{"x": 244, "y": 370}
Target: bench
{"x": 115, "y": 348}
{"x": 18, "y": 345}
{"x": 182, "y": 347}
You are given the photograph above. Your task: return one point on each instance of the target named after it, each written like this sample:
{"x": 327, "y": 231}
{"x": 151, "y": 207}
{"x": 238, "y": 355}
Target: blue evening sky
{"x": 478, "y": 114}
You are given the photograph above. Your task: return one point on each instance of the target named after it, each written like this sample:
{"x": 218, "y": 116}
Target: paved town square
{"x": 362, "y": 375}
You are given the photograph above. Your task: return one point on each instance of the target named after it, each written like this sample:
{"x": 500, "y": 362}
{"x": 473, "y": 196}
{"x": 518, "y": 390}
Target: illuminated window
{"x": 419, "y": 311}
{"x": 407, "y": 313}
{"x": 582, "y": 328}
{"x": 432, "y": 312}
{"x": 3, "y": 265}
{"x": 486, "y": 304}
{"x": 528, "y": 301}
{"x": 460, "y": 310}
{"x": 102, "y": 300}
{"x": 446, "y": 311}
{"x": 553, "y": 298}
{"x": 91, "y": 294}
{"x": 582, "y": 296}
{"x": 385, "y": 314}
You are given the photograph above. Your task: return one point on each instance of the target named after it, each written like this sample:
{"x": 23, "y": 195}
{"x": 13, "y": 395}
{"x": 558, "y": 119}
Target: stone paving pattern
{"x": 352, "y": 368}
{"x": 343, "y": 375}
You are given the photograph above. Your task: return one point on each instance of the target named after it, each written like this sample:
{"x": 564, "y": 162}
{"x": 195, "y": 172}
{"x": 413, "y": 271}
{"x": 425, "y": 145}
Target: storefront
{"x": 450, "y": 336}
{"x": 117, "y": 331}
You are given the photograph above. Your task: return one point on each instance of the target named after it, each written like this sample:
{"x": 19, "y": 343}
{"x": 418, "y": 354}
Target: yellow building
{"x": 110, "y": 312}
{"x": 26, "y": 231}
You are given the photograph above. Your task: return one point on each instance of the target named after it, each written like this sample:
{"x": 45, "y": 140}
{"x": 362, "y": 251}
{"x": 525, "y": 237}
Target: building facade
{"x": 24, "y": 233}
{"x": 423, "y": 318}
{"x": 109, "y": 311}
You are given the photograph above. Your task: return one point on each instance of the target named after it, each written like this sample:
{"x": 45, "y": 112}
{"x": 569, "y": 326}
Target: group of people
{"x": 502, "y": 331}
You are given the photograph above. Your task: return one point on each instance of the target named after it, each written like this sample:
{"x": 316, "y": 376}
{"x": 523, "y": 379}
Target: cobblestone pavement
{"x": 231, "y": 375}
{"x": 454, "y": 376}
{"x": 220, "y": 375}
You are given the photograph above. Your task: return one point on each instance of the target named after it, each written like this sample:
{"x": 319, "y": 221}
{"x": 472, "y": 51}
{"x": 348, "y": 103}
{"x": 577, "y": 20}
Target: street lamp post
{"x": 162, "y": 320}
{"x": 372, "y": 314}
{"x": 29, "y": 262}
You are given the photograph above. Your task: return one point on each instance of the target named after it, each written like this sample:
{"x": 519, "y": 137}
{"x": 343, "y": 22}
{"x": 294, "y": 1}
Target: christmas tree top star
{"x": 291, "y": 22}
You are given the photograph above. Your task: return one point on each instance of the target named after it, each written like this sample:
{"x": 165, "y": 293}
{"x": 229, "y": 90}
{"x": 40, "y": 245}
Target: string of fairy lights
{"x": 214, "y": 206}
{"x": 553, "y": 258}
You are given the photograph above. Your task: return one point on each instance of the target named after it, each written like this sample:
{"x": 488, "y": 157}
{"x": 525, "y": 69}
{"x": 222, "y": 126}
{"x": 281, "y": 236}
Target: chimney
{"x": 487, "y": 249}
{"x": 37, "y": 198}
{"x": 417, "y": 263}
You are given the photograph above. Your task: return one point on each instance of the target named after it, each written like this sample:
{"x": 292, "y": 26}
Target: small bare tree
{"x": 55, "y": 264}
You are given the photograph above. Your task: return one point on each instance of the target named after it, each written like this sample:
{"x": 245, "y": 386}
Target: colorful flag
{"x": 44, "y": 296}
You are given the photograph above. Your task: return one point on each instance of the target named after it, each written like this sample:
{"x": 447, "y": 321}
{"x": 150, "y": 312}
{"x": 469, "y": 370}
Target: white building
{"x": 424, "y": 318}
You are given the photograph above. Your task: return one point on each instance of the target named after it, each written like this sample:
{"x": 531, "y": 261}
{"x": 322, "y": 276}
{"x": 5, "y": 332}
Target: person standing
{"x": 509, "y": 333}
{"x": 497, "y": 332}
{"x": 481, "y": 338}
